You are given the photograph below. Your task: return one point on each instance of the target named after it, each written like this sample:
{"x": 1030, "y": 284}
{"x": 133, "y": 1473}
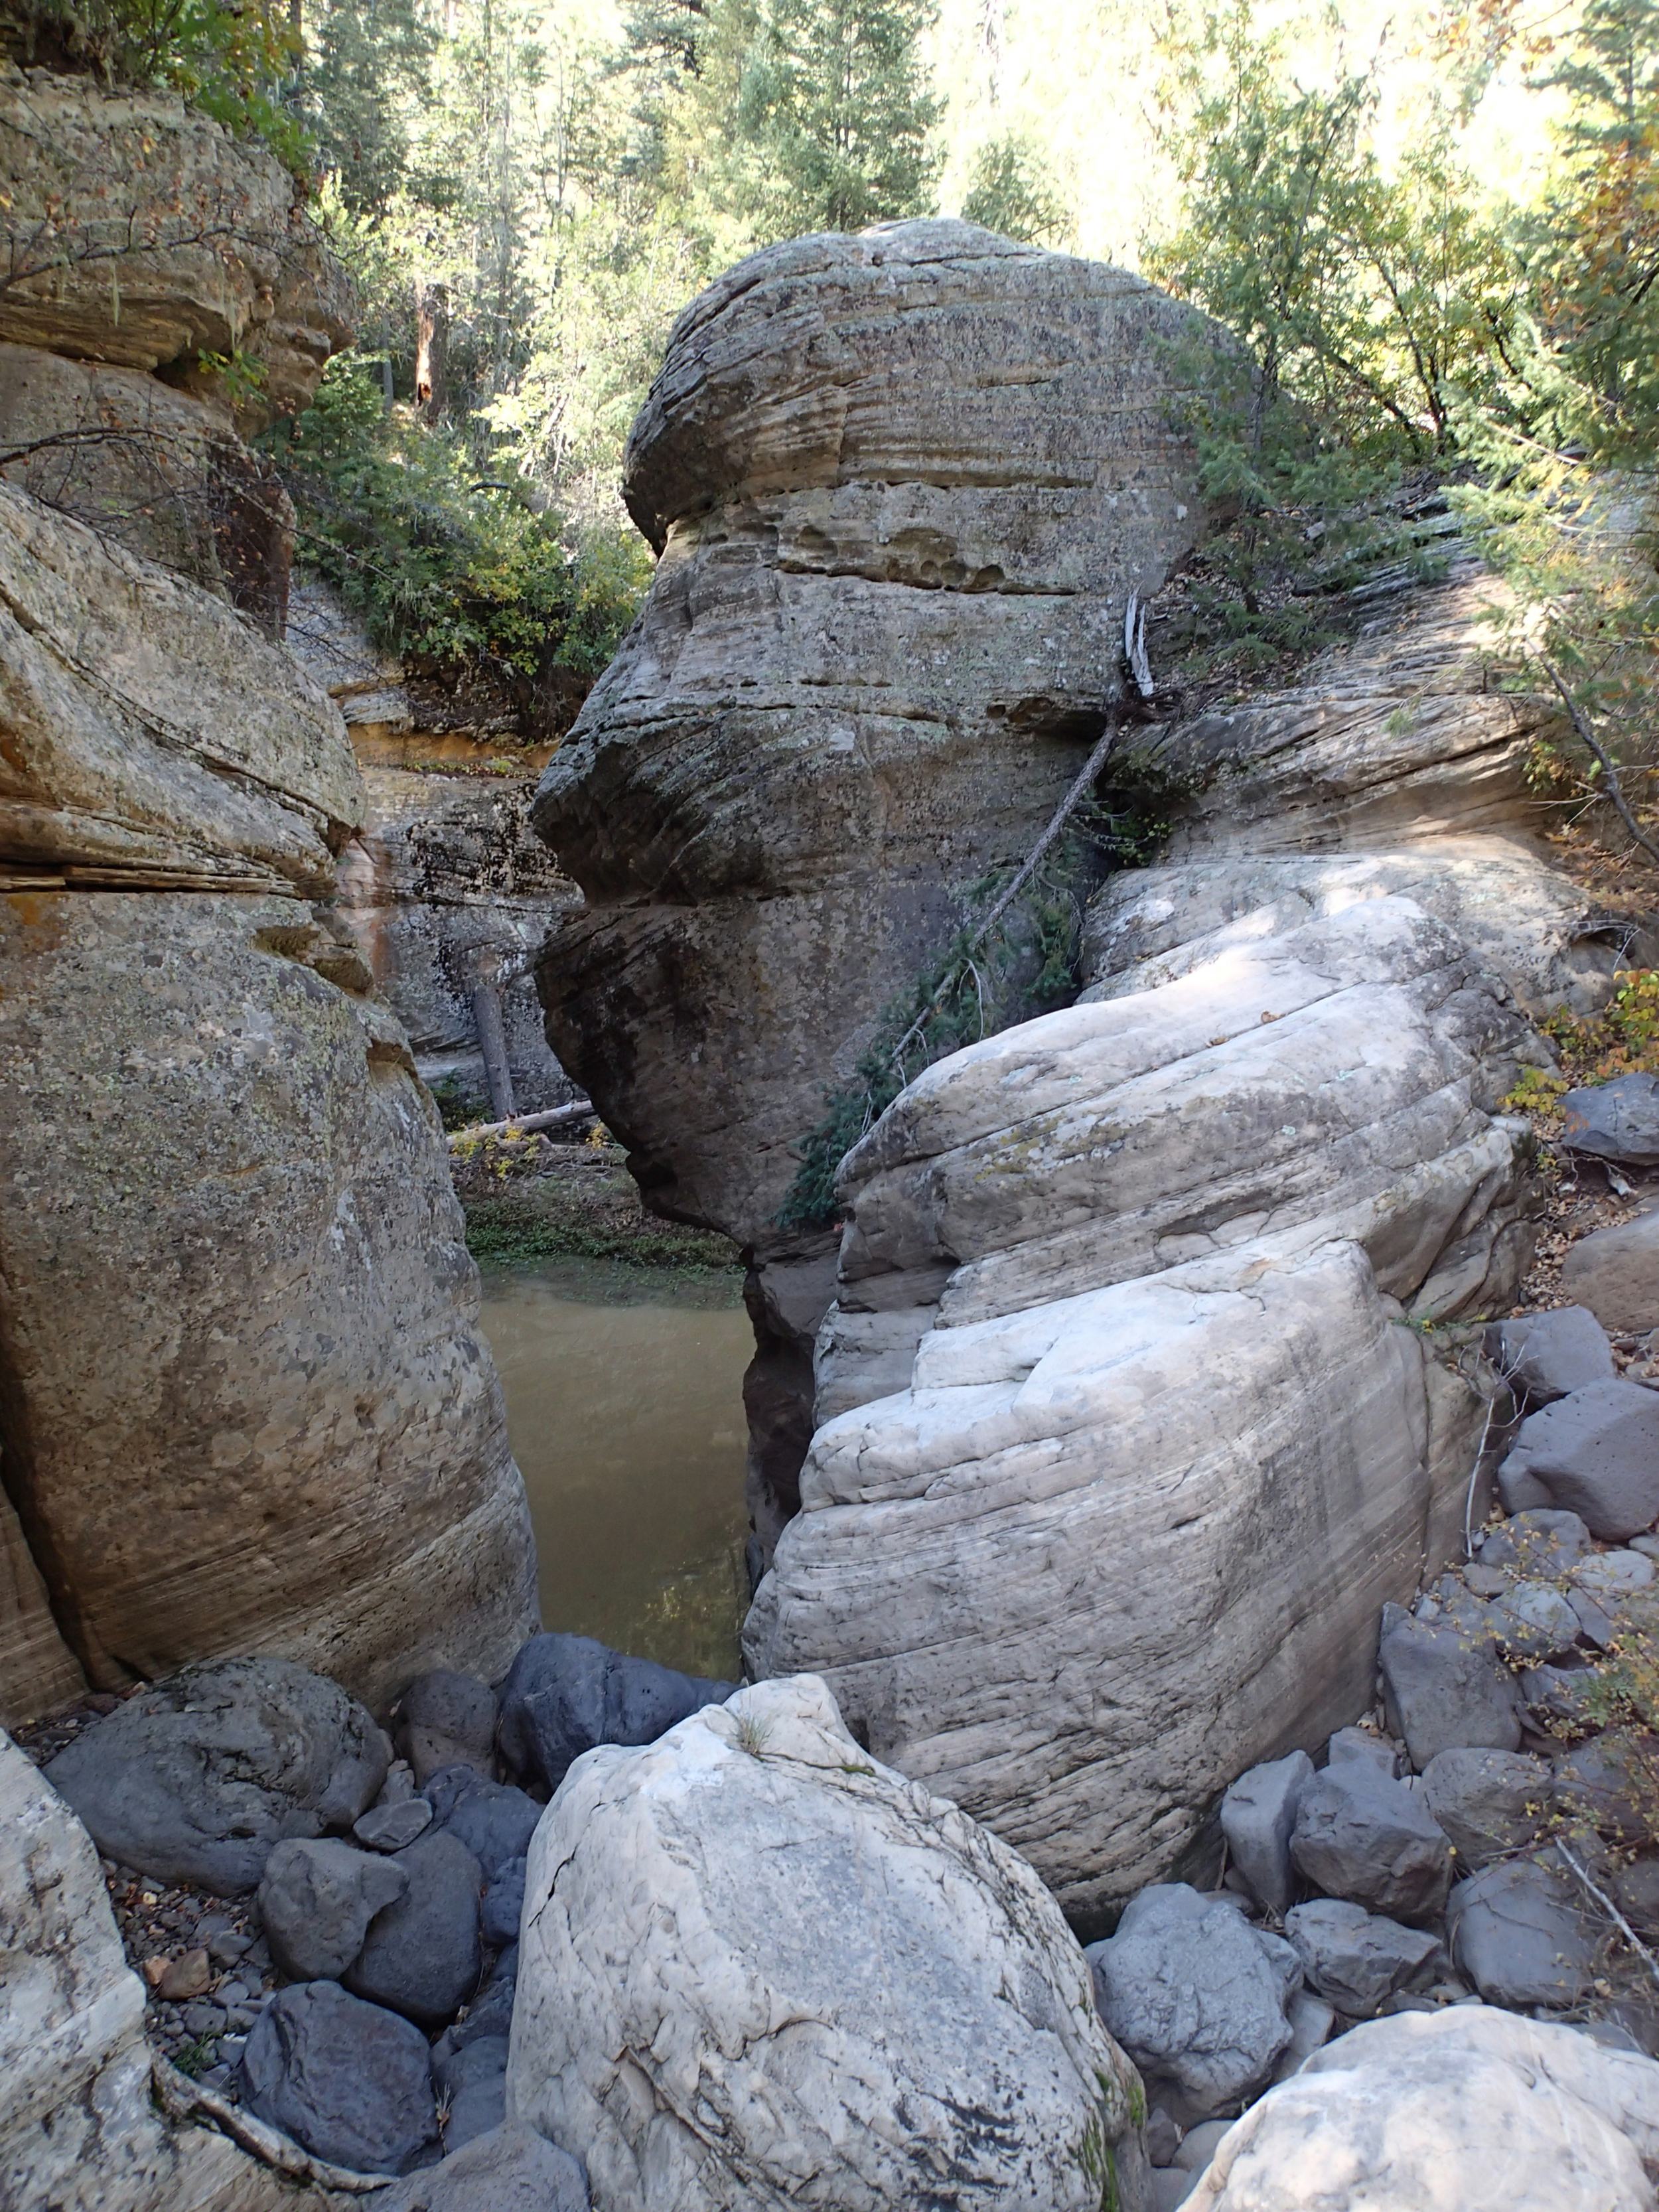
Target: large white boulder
{"x": 1448, "y": 2112}
{"x": 1123, "y": 1443}
{"x": 759, "y": 1968}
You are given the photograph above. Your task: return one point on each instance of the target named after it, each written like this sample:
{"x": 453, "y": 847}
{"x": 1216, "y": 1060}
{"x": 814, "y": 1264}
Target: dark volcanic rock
{"x": 494, "y": 1819}
{"x": 445, "y": 1719}
{"x": 1596, "y": 1454}
{"x": 422, "y": 1955}
{"x": 565, "y": 1694}
{"x": 349, "y": 2082}
{"x": 317, "y": 1899}
{"x": 195, "y": 1779}
{"x": 1363, "y": 1837}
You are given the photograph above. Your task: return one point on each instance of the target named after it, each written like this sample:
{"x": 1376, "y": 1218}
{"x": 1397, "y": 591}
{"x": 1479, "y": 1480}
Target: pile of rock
{"x": 355, "y": 1989}
{"x": 1473, "y": 1842}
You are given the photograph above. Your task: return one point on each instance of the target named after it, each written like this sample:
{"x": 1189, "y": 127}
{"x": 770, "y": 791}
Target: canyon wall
{"x": 1128, "y": 1420}
{"x": 245, "y": 1404}
{"x": 903, "y": 485}
{"x": 446, "y": 890}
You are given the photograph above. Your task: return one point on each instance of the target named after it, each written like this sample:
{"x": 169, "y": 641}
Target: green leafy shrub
{"x": 445, "y": 565}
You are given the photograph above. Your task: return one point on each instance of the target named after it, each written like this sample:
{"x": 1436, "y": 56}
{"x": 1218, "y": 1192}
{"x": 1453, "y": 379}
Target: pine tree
{"x": 835, "y": 117}
{"x": 369, "y": 63}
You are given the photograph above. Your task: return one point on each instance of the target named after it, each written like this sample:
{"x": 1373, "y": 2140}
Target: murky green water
{"x": 624, "y": 1403}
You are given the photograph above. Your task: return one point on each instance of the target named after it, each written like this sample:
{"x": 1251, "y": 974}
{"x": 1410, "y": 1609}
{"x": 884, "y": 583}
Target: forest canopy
{"x": 1436, "y": 249}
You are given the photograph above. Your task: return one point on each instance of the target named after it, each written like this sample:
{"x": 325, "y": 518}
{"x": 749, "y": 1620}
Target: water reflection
{"x": 624, "y": 1405}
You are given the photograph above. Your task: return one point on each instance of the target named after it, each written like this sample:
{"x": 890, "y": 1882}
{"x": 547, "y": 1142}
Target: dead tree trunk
{"x": 492, "y": 1043}
{"x": 432, "y": 350}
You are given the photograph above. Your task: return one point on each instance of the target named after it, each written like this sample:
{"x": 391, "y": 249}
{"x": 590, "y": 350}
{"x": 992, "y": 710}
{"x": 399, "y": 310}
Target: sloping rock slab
{"x": 252, "y": 1406}
{"x": 148, "y": 734}
{"x": 1105, "y": 1552}
{"x": 754, "y": 1959}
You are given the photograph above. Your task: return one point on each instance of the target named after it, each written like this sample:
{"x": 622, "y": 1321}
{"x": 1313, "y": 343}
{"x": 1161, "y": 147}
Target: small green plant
{"x": 193, "y": 2059}
{"x": 753, "y": 1735}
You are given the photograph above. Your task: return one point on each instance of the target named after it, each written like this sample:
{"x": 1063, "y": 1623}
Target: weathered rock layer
{"x": 244, "y": 1401}
{"x": 1123, "y": 1440}
{"x": 903, "y": 484}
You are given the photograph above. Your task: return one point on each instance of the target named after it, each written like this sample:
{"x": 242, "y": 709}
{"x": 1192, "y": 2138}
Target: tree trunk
{"x": 492, "y": 1043}
{"x": 432, "y": 349}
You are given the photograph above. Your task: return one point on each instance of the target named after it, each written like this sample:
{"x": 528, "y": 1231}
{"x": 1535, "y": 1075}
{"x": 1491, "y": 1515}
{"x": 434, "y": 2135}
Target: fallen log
{"x": 524, "y": 1125}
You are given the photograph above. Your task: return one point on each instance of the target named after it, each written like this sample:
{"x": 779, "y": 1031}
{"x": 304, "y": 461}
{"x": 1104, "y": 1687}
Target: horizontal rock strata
{"x": 903, "y": 484}
{"x": 250, "y": 1407}
{"x": 140, "y": 232}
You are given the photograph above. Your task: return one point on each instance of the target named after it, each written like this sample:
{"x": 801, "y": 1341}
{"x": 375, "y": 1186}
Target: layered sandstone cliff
{"x": 903, "y": 485}
{"x": 244, "y": 1401}
{"x": 1128, "y": 1425}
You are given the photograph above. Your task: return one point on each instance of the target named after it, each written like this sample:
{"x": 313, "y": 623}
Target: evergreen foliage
{"x": 444, "y": 570}
{"x": 1011, "y": 191}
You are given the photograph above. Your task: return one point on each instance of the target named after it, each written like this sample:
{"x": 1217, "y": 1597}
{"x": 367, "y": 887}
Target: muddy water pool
{"x": 624, "y": 1404}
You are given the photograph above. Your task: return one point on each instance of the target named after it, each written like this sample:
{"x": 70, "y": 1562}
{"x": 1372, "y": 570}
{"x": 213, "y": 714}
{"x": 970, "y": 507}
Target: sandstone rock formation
{"x": 1443, "y": 2112}
{"x": 1120, "y": 1424}
{"x": 159, "y": 471}
{"x": 152, "y": 738}
{"x": 445, "y": 890}
{"x": 249, "y": 1406}
{"x": 79, "y": 2128}
{"x": 139, "y": 233}
{"x": 757, "y": 1967}
{"x": 903, "y": 484}
{"x": 243, "y": 1402}
{"x": 1394, "y": 765}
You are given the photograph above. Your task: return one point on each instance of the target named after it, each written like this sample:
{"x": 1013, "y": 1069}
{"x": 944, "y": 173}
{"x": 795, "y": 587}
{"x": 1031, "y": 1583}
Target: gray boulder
{"x": 1534, "y": 1620}
{"x": 1360, "y": 1836}
{"x": 1445, "y": 1688}
{"x": 1543, "y": 1542}
{"x": 1488, "y": 1802}
{"x": 393, "y": 1827}
{"x": 422, "y": 1956}
{"x": 494, "y": 1819}
{"x": 445, "y": 1719}
{"x": 1257, "y": 1815}
{"x": 565, "y": 1694}
{"x": 1596, "y": 1453}
{"x": 1353, "y": 1958}
{"x": 1311, "y": 2020}
{"x": 317, "y": 1899}
{"x": 1519, "y": 1933}
{"x": 1616, "y": 1120}
{"x": 1603, "y": 1591}
{"x": 473, "y": 2079}
{"x": 197, "y": 1778}
{"x": 503, "y": 1906}
{"x": 1351, "y": 1743}
{"x": 1544, "y": 1356}
{"x": 1615, "y": 1272}
{"x": 1609, "y": 1784}
{"x": 350, "y": 2083}
{"x": 491, "y": 2012}
{"x": 1194, "y": 1998}
{"x": 511, "y": 2169}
